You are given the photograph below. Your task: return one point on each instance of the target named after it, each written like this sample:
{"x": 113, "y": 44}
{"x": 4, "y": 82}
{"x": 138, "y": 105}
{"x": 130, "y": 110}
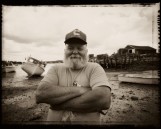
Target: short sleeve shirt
{"x": 92, "y": 75}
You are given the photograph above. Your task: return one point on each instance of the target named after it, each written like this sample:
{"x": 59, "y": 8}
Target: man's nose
{"x": 75, "y": 51}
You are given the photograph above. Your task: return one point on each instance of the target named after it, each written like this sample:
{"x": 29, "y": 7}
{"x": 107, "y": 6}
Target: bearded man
{"x": 77, "y": 91}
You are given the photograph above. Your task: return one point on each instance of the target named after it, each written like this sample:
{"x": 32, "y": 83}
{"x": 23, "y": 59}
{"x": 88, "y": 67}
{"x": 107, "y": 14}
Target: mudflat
{"x": 135, "y": 104}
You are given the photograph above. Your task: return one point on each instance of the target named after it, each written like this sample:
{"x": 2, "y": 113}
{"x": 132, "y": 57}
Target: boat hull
{"x": 8, "y": 69}
{"x": 140, "y": 80}
{"x": 32, "y": 69}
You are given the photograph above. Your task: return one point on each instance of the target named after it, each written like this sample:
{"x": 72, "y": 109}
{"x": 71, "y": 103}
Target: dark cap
{"x": 75, "y": 36}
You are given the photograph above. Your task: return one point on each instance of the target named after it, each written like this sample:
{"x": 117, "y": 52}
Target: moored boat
{"x": 8, "y": 67}
{"x": 139, "y": 78}
{"x": 33, "y": 67}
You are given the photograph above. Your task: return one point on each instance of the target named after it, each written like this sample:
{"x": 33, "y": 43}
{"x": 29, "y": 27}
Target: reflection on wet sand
{"x": 8, "y": 75}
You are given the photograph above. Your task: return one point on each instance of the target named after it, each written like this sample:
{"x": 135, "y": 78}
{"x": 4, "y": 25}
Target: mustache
{"x": 74, "y": 56}
{"x": 75, "y": 61}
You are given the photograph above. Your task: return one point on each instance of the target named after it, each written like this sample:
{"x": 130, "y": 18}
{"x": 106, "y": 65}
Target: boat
{"x": 33, "y": 67}
{"x": 139, "y": 78}
{"x": 8, "y": 67}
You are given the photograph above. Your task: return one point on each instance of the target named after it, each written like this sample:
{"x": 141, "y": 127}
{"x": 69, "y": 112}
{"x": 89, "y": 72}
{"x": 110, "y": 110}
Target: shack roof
{"x": 140, "y": 47}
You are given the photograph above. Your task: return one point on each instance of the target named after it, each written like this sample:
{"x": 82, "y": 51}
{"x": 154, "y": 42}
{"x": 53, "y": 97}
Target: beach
{"x": 135, "y": 104}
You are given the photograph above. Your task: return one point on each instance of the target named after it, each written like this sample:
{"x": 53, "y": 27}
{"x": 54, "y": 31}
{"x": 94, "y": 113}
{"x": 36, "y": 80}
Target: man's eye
{"x": 70, "y": 48}
{"x": 80, "y": 49}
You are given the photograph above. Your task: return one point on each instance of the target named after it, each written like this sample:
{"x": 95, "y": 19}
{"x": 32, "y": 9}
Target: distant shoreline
{"x": 129, "y": 70}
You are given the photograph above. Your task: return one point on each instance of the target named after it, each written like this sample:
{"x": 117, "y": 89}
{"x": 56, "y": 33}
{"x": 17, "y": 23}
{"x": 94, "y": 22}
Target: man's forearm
{"x": 46, "y": 93}
{"x": 91, "y": 101}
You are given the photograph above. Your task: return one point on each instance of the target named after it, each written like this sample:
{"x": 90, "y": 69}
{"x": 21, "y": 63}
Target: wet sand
{"x": 134, "y": 104}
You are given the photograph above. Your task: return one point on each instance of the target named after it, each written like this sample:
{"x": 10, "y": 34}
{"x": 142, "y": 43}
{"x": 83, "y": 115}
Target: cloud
{"x": 29, "y": 26}
{"x": 11, "y": 46}
{"x": 41, "y": 30}
{"x": 17, "y": 39}
{"x": 21, "y": 51}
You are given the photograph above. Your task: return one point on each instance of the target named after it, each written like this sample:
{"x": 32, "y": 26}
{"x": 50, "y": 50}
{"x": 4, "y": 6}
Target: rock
{"x": 130, "y": 106}
{"x": 35, "y": 116}
{"x": 113, "y": 95}
{"x": 118, "y": 111}
{"x": 131, "y": 92}
{"x": 144, "y": 110}
{"x": 122, "y": 97}
{"x": 145, "y": 98}
{"x": 124, "y": 111}
{"x": 134, "y": 98}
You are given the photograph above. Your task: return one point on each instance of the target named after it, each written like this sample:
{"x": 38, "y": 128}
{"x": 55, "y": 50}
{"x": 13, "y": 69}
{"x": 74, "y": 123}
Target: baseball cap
{"x": 75, "y": 36}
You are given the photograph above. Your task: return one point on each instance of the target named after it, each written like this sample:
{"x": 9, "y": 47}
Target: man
{"x": 77, "y": 90}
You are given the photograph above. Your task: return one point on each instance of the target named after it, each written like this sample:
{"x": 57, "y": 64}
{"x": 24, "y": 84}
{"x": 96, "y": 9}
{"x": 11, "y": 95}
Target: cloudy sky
{"x": 40, "y": 31}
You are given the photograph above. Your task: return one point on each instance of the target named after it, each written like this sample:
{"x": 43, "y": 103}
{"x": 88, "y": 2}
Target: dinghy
{"x": 8, "y": 67}
{"x": 139, "y": 78}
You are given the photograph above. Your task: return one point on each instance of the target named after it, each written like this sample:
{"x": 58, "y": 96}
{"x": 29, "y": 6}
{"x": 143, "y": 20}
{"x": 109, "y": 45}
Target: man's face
{"x": 75, "y": 55}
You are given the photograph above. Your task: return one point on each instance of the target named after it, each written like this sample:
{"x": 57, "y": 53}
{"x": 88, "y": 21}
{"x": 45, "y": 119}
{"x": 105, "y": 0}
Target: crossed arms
{"x": 78, "y": 99}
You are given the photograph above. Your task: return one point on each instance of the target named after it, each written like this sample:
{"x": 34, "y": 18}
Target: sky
{"x": 39, "y": 31}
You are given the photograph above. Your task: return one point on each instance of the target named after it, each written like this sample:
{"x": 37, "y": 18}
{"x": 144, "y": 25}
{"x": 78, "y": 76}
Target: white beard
{"x": 75, "y": 63}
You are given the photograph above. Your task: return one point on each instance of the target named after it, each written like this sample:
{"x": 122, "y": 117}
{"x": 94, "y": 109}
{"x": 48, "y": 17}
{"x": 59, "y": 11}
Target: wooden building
{"x": 132, "y": 49}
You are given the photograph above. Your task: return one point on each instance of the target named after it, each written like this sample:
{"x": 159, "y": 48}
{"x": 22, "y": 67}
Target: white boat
{"x": 139, "y": 78}
{"x": 8, "y": 67}
{"x": 33, "y": 67}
